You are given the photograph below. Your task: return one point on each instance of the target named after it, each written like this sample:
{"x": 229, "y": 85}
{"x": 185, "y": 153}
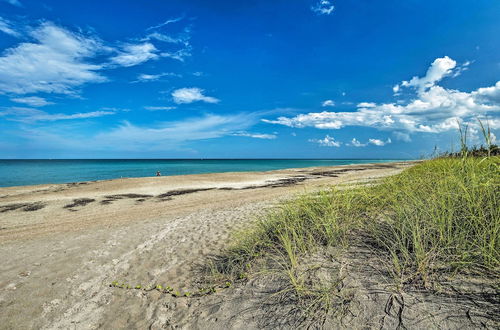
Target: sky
{"x": 344, "y": 79}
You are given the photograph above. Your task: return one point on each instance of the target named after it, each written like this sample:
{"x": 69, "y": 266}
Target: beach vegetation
{"x": 438, "y": 217}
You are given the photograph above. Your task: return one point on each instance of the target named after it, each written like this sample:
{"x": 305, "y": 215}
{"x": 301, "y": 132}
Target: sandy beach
{"x": 62, "y": 244}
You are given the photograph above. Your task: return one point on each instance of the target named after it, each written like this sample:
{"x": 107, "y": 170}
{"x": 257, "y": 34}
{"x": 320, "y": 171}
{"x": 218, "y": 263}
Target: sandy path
{"x": 56, "y": 261}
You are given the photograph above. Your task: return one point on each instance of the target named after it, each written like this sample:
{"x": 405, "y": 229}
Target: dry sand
{"x": 61, "y": 245}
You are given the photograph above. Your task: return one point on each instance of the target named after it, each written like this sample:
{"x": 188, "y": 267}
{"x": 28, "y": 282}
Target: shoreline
{"x": 377, "y": 161}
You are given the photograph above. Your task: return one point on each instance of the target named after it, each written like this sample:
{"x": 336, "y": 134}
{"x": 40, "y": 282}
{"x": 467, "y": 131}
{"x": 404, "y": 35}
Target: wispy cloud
{"x": 167, "y": 135}
{"x": 323, "y": 7}
{"x": 6, "y": 27}
{"x": 327, "y": 141}
{"x": 134, "y": 54}
{"x": 154, "y": 77}
{"x": 158, "y": 108}
{"x": 435, "y": 109}
{"x": 55, "y": 62}
{"x": 366, "y": 105}
{"x": 256, "y": 135}
{"x": 30, "y": 115}
{"x": 181, "y": 41}
{"x": 168, "y": 21}
{"x": 33, "y": 101}
{"x": 190, "y": 95}
{"x": 167, "y": 38}
{"x": 328, "y": 103}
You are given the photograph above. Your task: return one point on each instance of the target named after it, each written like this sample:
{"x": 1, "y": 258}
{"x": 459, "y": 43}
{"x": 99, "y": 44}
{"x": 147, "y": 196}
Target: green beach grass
{"x": 439, "y": 217}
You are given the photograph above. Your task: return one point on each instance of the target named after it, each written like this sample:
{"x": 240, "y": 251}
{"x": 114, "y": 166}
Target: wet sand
{"x": 62, "y": 244}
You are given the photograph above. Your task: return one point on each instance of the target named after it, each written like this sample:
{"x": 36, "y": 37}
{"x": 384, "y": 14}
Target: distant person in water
{"x": 158, "y": 173}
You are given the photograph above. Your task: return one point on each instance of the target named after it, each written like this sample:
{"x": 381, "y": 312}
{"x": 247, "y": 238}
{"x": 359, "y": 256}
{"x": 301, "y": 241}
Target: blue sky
{"x": 245, "y": 79}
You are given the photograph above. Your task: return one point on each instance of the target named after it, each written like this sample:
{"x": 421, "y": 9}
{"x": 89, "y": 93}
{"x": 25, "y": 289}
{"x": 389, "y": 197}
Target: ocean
{"x": 31, "y": 172}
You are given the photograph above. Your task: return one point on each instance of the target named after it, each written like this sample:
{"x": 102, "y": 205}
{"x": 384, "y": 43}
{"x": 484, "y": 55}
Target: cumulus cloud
{"x": 434, "y": 109}
{"x": 30, "y": 115}
{"x": 33, "y": 101}
{"x": 379, "y": 143}
{"x": 328, "y": 103}
{"x": 376, "y": 142}
{"x": 356, "y": 143}
{"x": 134, "y": 54}
{"x": 323, "y": 7}
{"x": 256, "y": 135}
{"x": 490, "y": 95}
{"x": 190, "y": 95}
{"x": 327, "y": 141}
{"x": 54, "y": 62}
{"x": 440, "y": 68}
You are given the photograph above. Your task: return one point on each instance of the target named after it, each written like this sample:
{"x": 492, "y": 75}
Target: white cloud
{"x": 328, "y": 103}
{"x": 366, "y": 105}
{"x": 356, "y": 143}
{"x": 29, "y": 115}
{"x": 33, "y": 101}
{"x": 190, "y": 95}
{"x": 490, "y": 95}
{"x": 493, "y": 138}
{"x": 126, "y": 137}
{"x": 170, "y": 134}
{"x": 179, "y": 55}
{"x": 153, "y": 108}
{"x": 154, "y": 77}
{"x": 378, "y": 142}
{"x": 435, "y": 109}
{"x": 166, "y": 38}
{"x": 53, "y": 63}
{"x": 440, "y": 68}
{"x": 328, "y": 141}
{"x": 323, "y": 7}
{"x": 5, "y": 27}
{"x": 168, "y": 21}
{"x": 256, "y": 135}
{"x": 134, "y": 54}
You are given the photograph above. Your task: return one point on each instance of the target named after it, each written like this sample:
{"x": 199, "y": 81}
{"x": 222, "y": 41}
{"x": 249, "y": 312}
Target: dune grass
{"x": 441, "y": 216}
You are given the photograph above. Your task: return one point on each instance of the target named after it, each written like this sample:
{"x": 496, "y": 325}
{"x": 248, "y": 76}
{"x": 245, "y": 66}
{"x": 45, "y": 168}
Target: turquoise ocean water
{"x": 30, "y": 172}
